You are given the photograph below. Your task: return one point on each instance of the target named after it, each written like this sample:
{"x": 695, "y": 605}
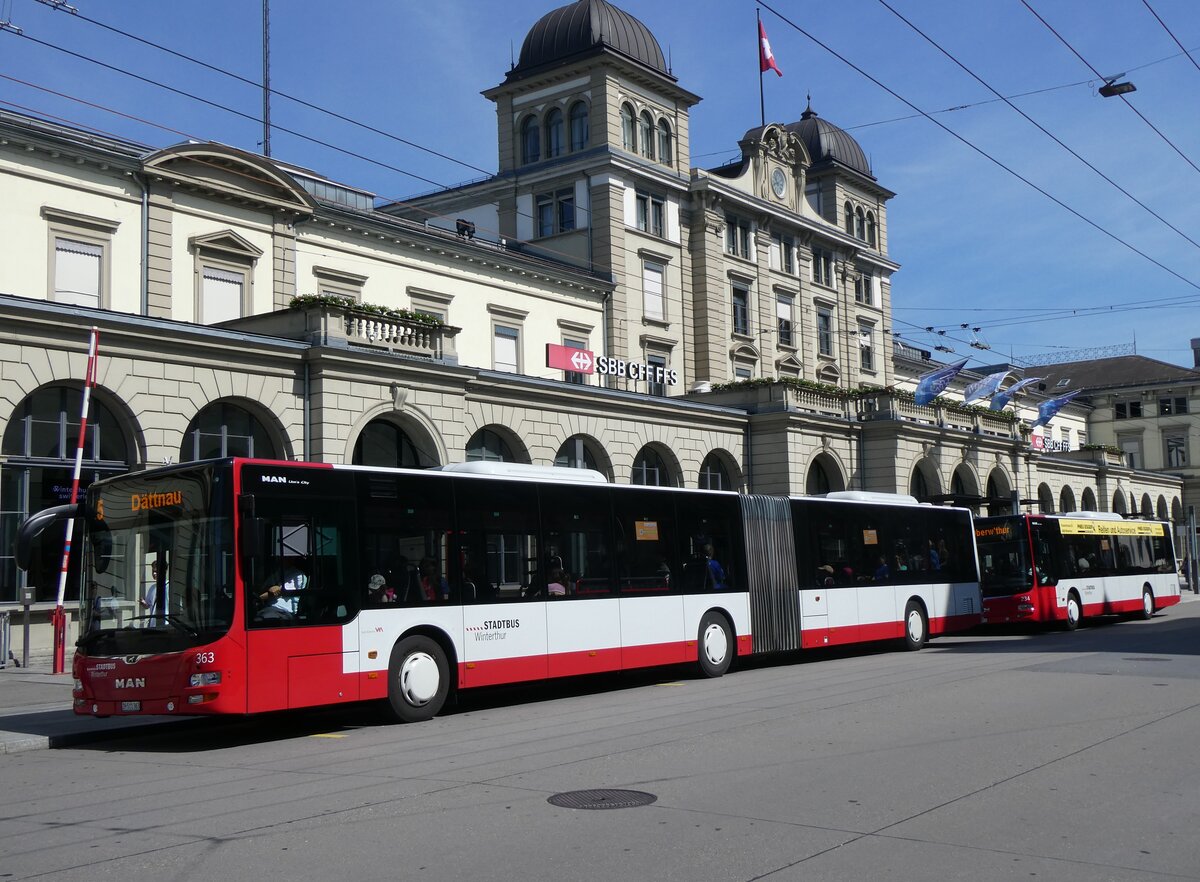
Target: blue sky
{"x": 976, "y": 244}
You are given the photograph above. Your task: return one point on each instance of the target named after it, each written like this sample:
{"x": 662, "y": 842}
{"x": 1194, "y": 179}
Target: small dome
{"x": 584, "y": 26}
{"x": 824, "y": 140}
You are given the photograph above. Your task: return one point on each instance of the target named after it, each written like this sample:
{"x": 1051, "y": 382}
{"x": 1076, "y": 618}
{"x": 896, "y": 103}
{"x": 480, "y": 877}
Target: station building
{"x": 598, "y": 302}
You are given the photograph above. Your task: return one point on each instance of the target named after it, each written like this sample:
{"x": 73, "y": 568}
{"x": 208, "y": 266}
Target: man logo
{"x": 274, "y": 479}
{"x": 130, "y": 682}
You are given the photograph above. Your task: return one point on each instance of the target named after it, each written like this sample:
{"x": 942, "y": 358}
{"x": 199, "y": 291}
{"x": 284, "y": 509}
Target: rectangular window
{"x": 506, "y": 349}
{"x": 1172, "y": 406}
{"x": 221, "y": 296}
{"x": 737, "y": 237}
{"x": 658, "y": 368}
{"x": 783, "y": 248}
{"x": 574, "y": 376}
{"x": 822, "y": 267}
{"x": 652, "y": 291}
{"x": 784, "y": 312}
{"x": 1130, "y": 410}
{"x": 651, "y": 214}
{"x": 866, "y": 347}
{"x": 864, "y": 287}
{"x": 545, "y": 216}
{"x": 741, "y": 309}
{"x": 825, "y": 331}
{"x": 77, "y": 267}
{"x": 1176, "y": 451}
{"x": 1132, "y": 448}
{"x": 555, "y": 212}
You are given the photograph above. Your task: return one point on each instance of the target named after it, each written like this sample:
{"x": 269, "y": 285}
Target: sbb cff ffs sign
{"x": 584, "y": 361}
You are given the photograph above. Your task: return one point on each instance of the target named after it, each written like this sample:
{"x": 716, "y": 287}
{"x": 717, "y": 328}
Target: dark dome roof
{"x": 824, "y": 140}
{"x": 584, "y": 26}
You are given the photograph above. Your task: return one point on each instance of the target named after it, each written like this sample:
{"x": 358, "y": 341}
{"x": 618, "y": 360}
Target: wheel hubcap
{"x": 419, "y": 679}
{"x": 1148, "y": 604}
{"x": 1073, "y": 610}
{"x": 916, "y": 627}
{"x": 716, "y": 645}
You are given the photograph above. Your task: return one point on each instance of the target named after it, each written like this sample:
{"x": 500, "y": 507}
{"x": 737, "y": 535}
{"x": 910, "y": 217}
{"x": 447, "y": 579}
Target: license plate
{"x": 131, "y": 706}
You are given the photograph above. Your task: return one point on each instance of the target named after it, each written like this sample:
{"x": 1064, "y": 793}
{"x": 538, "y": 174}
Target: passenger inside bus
{"x": 281, "y": 598}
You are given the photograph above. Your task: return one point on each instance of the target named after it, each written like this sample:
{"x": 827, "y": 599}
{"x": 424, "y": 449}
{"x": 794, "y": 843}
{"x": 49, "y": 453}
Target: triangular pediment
{"x": 228, "y": 243}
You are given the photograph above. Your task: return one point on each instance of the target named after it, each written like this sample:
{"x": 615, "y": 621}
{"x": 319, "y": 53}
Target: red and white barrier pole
{"x": 60, "y": 617}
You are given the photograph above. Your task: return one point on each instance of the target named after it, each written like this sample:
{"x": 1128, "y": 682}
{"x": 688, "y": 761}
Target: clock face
{"x": 779, "y": 182}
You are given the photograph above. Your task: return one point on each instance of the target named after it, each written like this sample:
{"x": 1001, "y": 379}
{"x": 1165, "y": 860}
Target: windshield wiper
{"x": 169, "y": 620}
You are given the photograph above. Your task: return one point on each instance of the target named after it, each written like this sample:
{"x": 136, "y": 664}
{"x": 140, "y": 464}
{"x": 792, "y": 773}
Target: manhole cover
{"x": 602, "y": 799}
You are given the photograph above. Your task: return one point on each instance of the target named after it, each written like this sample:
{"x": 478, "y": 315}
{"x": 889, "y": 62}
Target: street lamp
{"x": 1111, "y": 89}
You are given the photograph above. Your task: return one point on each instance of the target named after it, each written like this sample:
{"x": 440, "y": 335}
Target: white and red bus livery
{"x": 282, "y": 585}
{"x": 1060, "y": 568}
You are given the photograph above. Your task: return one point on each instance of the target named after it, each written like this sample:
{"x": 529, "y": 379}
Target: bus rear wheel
{"x": 418, "y": 679}
{"x": 916, "y": 626}
{"x": 1074, "y": 611}
{"x": 1147, "y": 602}
{"x": 714, "y": 645}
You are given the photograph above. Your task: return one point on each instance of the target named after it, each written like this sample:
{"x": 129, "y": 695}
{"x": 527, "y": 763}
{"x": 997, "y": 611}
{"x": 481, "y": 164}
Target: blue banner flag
{"x": 930, "y": 385}
{"x": 984, "y": 388}
{"x": 1048, "y": 409}
{"x": 1004, "y": 397}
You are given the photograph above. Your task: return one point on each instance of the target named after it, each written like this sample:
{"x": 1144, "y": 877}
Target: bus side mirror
{"x": 33, "y": 526}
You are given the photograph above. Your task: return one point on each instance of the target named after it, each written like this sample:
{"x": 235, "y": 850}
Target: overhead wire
{"x": 1128, "y": 104}
{"x": 1158, "y": 18}
{"x": 617, "y": 270}
{"x": 1035, "y": 123}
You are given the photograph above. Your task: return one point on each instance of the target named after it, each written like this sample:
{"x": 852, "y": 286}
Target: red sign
{"x": 567, "y": 358}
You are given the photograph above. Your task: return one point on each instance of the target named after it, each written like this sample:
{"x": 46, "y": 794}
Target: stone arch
{"x": 923, "y": 480}
{"x": 825, "y": 475}
{"x": 964, "y": 483}
{"x": 1066, "y": 499}
{"x": 418, "y": 430}
{"x": 656, "y": 465}
{"x": 1088, "y": 503}
{"x": 1177, "y": 510}
{"x": 1045, "y": 499}
{"x": 244, "y": 426}
{"x": 481, "y": 445}
{"x": 584, "y": 451}
{"x": 998, "y": 492}
{"x": 720, "y": 467}
{"x": 1118, "y": 502}
{"x": 1147, "y": 506}
{"x": 1161, "y": 511}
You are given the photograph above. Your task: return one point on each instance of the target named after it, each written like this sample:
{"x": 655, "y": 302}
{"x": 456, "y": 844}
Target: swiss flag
{"x": 766, "y": 60}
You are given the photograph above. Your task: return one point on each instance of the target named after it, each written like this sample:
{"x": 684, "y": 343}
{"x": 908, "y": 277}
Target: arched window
{"x": 383, "y": 443}
{"x": 1089, "y": 500}
{"x": 651, "y": 469}
{"x": 486, "y": 446}
{"x": 555, "y": 143}
{"x": 1045, "y": 499}
{"x": 628, "y": 134}
{"x": 848, "y": 213}
{"x": 531, "y": 146}
{"x": 871, "y": 229}
{"x": 1066, "y": 500}
{"x": 666, "y": 146}
{"x": 38, "y": 450}
{"x": 917, "y": 485}
{"x": 225, "y": 429}
{"x": 574, "y": 454}
{"x": 646, "y": 134}
{"x": 818, "y": 480}
{"x": 860, "y": 224}
{"x": 579, "y": 126}
{"x": 713, "y": 474}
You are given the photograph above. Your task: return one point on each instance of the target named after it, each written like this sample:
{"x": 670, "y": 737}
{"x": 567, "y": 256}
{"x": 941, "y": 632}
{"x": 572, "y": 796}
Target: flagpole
{"x": 60, "y": 619}
{"x": 762, "y": 107}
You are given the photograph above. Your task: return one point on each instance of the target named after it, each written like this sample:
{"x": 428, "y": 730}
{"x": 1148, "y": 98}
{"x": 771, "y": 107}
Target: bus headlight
{"x": 78, "y": 685}
{"x": 206, "y": 678}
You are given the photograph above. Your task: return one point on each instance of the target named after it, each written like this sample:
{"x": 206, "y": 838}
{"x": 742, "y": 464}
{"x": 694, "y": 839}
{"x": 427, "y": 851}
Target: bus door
{"x": 649, "y": 581}
{"x": 300, "y": 587}
{"x": 504, "y": 612}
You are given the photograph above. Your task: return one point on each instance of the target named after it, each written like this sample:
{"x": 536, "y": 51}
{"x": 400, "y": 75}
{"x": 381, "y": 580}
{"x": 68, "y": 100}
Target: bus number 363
{"x": 205, "y": 658}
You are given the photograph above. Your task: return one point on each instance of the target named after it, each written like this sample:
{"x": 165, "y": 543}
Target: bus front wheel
{"x": 715, "y": 646}
{"x": 418, "y": 679}
{"x": 1074, "y": 611}
{"x": 916, "y": 626}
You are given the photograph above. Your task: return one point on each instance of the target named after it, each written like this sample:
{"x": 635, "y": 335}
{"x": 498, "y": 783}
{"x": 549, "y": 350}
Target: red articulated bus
{"x": 240, "y": 586}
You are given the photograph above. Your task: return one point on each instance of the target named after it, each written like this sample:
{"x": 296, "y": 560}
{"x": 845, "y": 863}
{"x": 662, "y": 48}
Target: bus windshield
{"x": 1003, "y": 556}
{"x": 158, "y": 563}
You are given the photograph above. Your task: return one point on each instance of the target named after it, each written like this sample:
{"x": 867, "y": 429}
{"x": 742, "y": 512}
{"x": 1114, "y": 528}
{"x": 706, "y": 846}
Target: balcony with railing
{"x": 326, "y": 322}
